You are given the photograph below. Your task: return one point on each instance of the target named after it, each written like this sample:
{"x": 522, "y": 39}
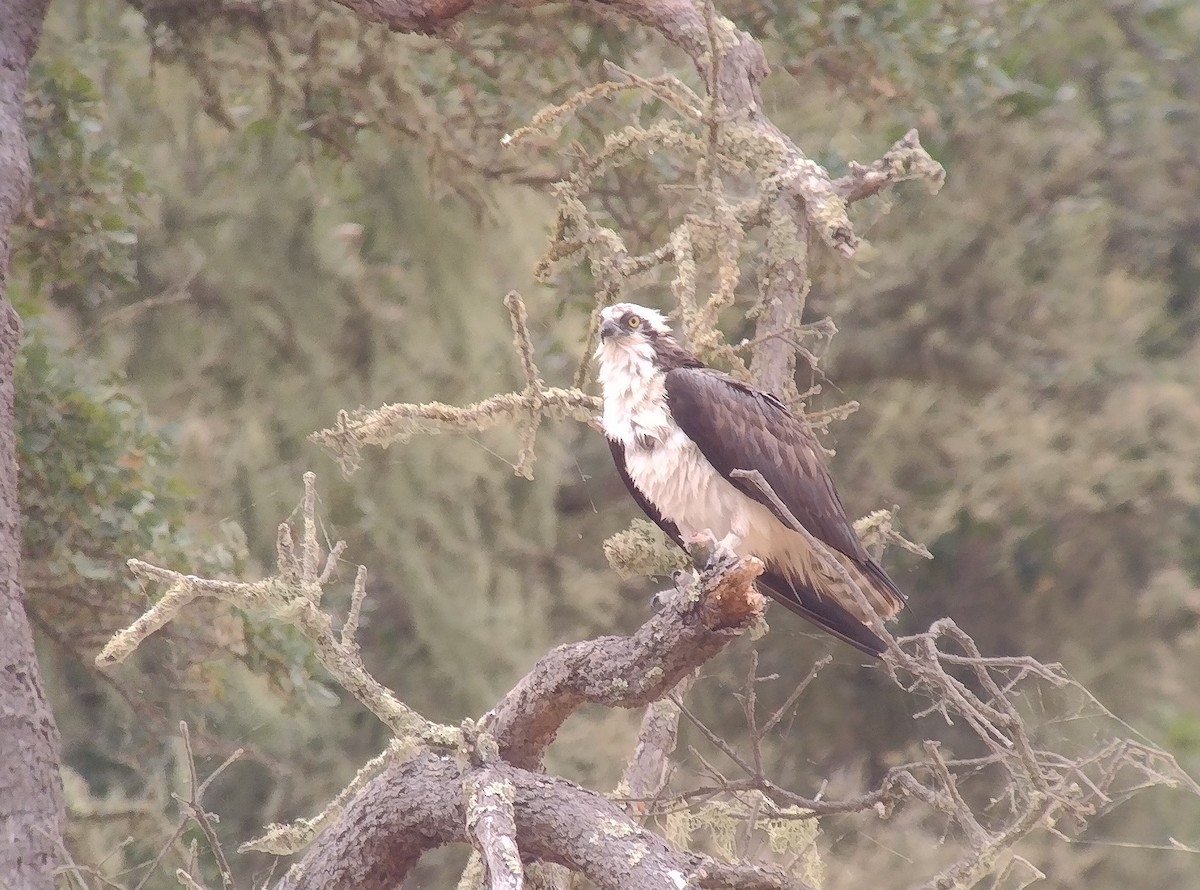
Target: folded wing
{"x": 737, "y": 426}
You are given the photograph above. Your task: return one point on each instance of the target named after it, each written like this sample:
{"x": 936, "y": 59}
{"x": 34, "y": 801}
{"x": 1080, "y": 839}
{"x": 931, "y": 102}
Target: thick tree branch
{"x": 648, "y": 770}
{"x": 420, "y": 805}
{"x": 627, "y": 672}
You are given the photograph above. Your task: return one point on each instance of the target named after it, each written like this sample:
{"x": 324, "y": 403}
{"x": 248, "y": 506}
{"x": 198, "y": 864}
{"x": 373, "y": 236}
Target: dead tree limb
{"x": 491, "y": 823}
{"x": 467, "y": 790}
{"x": 626, "y": 672}
{"x": 419, "y": 805}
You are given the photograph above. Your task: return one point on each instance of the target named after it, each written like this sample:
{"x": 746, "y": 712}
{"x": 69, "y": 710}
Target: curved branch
{"x": 411, "y": 808}
{"x": 627, "y": 672}
{"x": 419, "y": 806}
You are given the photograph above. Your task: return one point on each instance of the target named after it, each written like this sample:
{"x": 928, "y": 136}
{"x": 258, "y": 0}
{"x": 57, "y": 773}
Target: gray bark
{"x": 31, "y": 800}
{"x": 420, "y": 805}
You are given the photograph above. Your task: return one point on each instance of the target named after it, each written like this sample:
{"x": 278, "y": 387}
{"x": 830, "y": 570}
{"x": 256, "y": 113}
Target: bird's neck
{"x": 634, "y": 389}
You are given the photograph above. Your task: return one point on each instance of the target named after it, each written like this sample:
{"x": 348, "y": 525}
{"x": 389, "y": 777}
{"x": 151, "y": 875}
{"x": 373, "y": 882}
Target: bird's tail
{"x": 838, "y": 614}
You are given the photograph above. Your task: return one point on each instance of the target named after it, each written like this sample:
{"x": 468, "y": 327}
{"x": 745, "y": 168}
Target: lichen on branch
{"x": 293, "y": 595}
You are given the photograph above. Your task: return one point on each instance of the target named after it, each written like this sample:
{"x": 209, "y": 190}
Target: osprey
{"x": 678, "y": 430}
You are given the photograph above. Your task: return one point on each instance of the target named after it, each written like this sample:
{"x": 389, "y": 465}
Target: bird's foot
{"x": 700, "y": 546}
{"x": 706, "y": 549}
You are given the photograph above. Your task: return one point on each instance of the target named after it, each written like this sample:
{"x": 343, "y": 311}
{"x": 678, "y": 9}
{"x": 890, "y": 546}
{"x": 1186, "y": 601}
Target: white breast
{"x": 666, "y": 465}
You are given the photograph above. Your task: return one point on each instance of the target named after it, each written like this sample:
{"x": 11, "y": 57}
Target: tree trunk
{"x": 31, "y": 800}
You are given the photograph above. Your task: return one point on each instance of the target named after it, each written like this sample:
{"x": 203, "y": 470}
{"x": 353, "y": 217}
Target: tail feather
{"x": 826, "y": 613}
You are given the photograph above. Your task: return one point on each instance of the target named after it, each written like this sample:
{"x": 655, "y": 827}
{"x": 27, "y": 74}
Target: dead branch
{"x": 648, "y": 771}
{"x": 615, "y": 671}
{"x": 420, "y": 805}
{"x": 534, "y": 387}
{"x": 195, "y": 807}
{"x": 800, "y": 198}
{"x": 293, "y": 596}
{"x": 627, "y": 672}
{"x": 432, "y": 786}
{"x": 491, "y": 823}
{"x": 400, "y": 422}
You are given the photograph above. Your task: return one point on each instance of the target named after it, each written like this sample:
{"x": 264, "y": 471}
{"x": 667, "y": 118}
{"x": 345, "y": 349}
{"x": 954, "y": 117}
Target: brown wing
{"x": 821, "y": 611}
{"x": 736, "y": 426}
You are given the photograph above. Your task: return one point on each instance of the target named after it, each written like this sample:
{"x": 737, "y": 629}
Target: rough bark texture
{"x": 420, "y": 805}
{"x": 625, "y": 672}
{"x": 31, "y": 802}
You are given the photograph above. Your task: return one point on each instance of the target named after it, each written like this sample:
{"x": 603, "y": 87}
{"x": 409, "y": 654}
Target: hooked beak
{"x": 609, "y": 328}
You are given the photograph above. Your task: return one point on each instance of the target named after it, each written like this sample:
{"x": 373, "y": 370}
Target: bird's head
{"x": 636, "y": 344}
{"x": 626, "y": 325}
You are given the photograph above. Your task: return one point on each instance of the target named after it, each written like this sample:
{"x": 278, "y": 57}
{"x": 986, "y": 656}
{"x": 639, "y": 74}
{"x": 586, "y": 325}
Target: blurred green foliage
{"x": 98, "y": 480}
{"x": 79, "y": 228}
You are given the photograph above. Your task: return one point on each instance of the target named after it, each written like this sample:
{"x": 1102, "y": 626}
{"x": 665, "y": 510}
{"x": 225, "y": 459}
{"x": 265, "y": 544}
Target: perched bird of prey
{"x": 678, "y": 430}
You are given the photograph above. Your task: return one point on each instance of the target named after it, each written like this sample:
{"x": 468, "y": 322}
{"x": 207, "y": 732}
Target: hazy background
{"x": 241, "y": 227}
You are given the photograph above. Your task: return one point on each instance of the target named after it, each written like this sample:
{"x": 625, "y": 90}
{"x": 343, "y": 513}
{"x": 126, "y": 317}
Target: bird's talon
{"x": 720, "y": 557}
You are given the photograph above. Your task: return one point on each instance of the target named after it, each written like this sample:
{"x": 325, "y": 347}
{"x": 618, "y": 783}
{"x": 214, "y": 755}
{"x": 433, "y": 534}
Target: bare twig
{"x": 646, "y": 774}
{"x": 195, "y": 803}
{"x": 291, "y": 599}
{"x": 534, "y": 387}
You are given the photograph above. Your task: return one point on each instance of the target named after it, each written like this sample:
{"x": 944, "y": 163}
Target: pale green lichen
{"x": 758, "y": 628}
{"x": 638, "y": 852}
{"x": 613, "y": 828}
{"x": 877, "y": 531}
{"x": 788, "y": 832}
{"x": 643, "y": 550}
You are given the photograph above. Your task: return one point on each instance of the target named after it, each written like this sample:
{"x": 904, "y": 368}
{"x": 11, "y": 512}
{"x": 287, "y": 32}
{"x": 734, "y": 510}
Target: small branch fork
{"x": 293, "y": 595}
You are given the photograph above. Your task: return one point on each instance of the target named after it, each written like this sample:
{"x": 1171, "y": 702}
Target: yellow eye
{"x": 633, "y": 322}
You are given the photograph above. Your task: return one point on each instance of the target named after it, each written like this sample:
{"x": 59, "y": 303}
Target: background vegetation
{"x": 238, "y": 230}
